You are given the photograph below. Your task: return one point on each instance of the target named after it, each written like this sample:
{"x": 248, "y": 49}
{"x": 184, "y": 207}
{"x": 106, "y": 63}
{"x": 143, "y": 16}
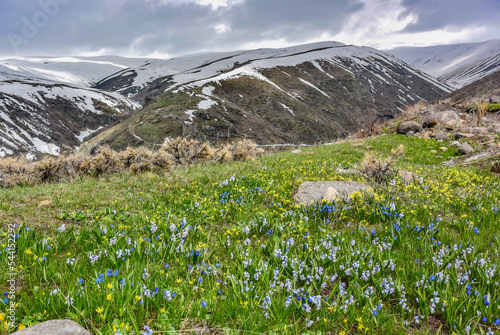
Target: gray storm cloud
{"x": 176, "y": 27}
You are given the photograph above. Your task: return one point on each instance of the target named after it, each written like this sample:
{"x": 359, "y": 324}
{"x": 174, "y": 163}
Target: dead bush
{"x": 76, "y": 165}
{"x": 246, "y": 150}
{"x": 224, "y": 154}
{"x": 106, "y": 161}
{"x": 185, "y": 152}
{"x": 379, "y": 169}
{"x": 413, "y": 111}
{"x": 45, "y": 170}
{"x": 141, "y": 159}
{"x": 162, "y": 161}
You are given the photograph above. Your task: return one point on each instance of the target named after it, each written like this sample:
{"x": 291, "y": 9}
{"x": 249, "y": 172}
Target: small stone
{"x": 410, "y": 134}
{"x": 54, "y": 327}
{"x": 45, "y": 203}
{"x": 407, "y": 176}
{"x": 479, "y": 130}
{"x": 455, "y": 144}
{"x": 459, "y": 136}
{"x": 464, "y": 149}
{"x": 443, "y": 149}
{"x": 296, "y": 151}
{"x": 449, "y": 163}
{"x": 434, "y": 151}
{"x": 491, "y": 145}
{"x": 330, "y": 194}
{"x": 441, "y": 136}
{"x": 348, "y": 171}
{"x": 427, "y": 135}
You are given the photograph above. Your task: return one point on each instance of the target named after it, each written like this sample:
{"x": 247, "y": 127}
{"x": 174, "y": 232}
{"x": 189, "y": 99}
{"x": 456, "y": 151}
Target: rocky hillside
{"x": 39, "y": 117}
{"x": 486, "y": 89}
{"x": 304, "y": 94}
{"x": 456, "y": 65}
{"x": 47, "y": 105}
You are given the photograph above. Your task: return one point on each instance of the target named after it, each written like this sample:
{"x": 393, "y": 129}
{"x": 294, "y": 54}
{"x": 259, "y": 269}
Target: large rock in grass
{"x": 408, "y": 126}
{"x": 311, "y": 192}
{"x": 448, "y": 119}
{"x": 464, "y": 149}
{"x": 54, "y": 327}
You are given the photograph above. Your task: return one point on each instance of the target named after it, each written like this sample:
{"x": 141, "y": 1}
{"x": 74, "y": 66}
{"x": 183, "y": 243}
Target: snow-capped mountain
{"x": 456, "y": 65}
{"x": 80, "y": 71}
{"x": 306, "y": 93}
{"x": 163, "y": 75}
{"x": 303, "y": 94}
{"x": 39, "y": 116}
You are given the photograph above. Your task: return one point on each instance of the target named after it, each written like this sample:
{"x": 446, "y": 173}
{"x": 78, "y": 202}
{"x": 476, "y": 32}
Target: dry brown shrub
{"x": 45, "y": 170}
{"x": 76, "y": 165}
{"x": 106, "y": 161}
{"x": 246, "y": 150}
{"x": 136, "y": 159}
{"x": 224, "y": 154}
{"x": 413, "y": 111}
{"x": 379, "y": 169}
{"x": 185, "y": 151}
{"x": 141, "y": 159}
{"x": 162, "y": 161}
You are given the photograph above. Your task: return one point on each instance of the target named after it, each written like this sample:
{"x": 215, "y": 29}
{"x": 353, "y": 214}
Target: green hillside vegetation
{"x": 221, "y": 248}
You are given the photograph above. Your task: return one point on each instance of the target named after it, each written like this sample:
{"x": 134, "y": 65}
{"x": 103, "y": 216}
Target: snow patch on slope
{"x": 311, "y": 85}
{"x": 86, "y": 133}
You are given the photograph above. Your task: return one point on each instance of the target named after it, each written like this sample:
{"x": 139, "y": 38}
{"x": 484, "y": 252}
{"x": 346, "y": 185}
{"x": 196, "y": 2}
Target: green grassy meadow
{"x": 222, "y": 248}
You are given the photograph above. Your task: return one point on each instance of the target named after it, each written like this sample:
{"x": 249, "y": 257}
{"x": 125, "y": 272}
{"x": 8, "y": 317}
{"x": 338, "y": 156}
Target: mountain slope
{"x": 456, "y": 65}
{"x": 155, "y": 77}
{"x": 46, "y": 105}
{"x": 487, "y": 88}
{"x": 303, "y": 94}
{"x": 39, "y": 117}
{"x": 80, "y": 71}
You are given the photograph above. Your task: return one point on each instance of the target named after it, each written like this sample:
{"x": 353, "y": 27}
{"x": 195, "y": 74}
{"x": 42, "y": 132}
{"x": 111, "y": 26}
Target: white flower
{"x": 62, "y": 228}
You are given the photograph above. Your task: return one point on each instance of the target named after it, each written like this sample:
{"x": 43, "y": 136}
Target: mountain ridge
{"x": 303, "y": 94}
{"x": 456, "y": 65}
{"x": 306, "y": 93}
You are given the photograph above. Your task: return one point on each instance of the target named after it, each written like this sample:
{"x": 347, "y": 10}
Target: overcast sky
{"x": 168, "y": 28}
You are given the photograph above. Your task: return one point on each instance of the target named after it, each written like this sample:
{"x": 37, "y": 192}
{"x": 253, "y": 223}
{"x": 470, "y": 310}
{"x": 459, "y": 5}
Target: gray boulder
{"x": 441, "y": 136}
{"x": 431, "y": 120}
{"x": 407, "y": 126}
{"x": 464, "y": 149}
{"x": 310, "y": 192}
{"x": 54, "y": 327}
